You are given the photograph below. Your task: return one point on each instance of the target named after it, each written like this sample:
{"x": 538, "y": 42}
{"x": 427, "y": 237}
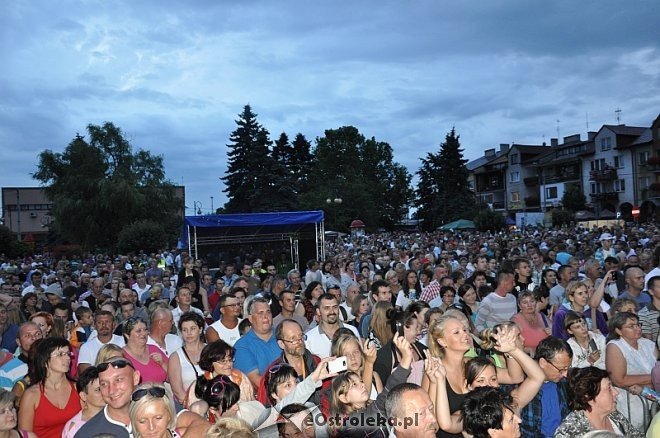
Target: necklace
{"x": 583, "y": 354}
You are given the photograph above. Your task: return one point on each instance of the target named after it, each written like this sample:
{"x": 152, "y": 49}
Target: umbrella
{"x": 607, "y": 214}
{"x": 461, "y": 224}
{"x": 584, "y": 215}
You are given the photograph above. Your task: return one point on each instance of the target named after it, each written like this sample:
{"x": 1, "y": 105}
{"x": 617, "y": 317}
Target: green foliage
{"x": 10, "y": 246}
{"x": 98, "y": 187}
{"x": 262, "y": 176}
{"x": 573, "y": 199}
{"x": 561, "y": 217}
{"x": 489, "y": 220}
{"x": 443, "y": 193}
{"x": 363, "y": 174}
{"x": 146, "y": 235}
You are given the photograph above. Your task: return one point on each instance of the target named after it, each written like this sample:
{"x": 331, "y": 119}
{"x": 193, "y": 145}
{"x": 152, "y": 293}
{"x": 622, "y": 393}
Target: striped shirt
{"x": 495, "y": 309}
{"x": 648, "y": 317}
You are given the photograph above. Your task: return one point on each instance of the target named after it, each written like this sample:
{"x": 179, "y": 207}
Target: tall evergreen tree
{"x": 248, "y": 157}
{"x": 300, "y": 163}
{"x": 443, "y": 191}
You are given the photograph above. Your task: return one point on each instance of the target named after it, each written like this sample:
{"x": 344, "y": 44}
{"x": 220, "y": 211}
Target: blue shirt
{"x": 551, "y": 417}
{"x": 642, "y": 300}
{"x": 252, "y": 353}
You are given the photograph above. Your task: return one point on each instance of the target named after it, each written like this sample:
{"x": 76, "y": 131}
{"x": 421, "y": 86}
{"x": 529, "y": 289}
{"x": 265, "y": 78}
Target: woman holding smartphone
{"x": 588, "y": 347}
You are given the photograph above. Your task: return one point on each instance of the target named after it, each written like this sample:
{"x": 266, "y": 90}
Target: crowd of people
{"x": 540, "y": 333}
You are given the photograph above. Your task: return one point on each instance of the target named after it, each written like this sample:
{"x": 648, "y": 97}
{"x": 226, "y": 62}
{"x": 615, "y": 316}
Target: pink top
{"x": 151, "y": 371}
{"x": 533, "y": 334}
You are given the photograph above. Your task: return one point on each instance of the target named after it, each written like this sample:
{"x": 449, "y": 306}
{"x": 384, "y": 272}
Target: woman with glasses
{"x": 629, "y": 360}
{"x": 217, "y": 359}
{"x": 588, "y": 346}
{"x": 152, "y": 412}
{"x": 148, "y": 359}
{"x": 52, "y": 399}
{"x": 183, "y": 367}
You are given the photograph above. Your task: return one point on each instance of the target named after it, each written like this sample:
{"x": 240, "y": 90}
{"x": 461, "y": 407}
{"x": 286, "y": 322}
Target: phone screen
{"x": 592, "y": 345}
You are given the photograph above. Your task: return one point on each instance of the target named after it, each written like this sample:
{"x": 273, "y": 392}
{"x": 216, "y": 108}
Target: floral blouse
{"x": 577, "y": 424}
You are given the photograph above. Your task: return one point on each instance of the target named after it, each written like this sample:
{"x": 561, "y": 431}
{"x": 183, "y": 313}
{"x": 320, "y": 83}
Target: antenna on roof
{"x": 558, "y": 136}
{"x": 586, "y": 115}
{"x": 618, "y": 115}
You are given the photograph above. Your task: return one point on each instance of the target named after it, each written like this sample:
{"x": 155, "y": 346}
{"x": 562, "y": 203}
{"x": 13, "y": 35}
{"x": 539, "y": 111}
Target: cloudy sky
{"x": 174, "y": 75}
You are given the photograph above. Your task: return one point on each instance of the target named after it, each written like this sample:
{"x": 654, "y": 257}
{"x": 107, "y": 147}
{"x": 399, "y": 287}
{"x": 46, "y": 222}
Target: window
{"x": 606, "y": 144}
{"x": 596, "y": 188}
{"x": 515, "y": 196}
{"x": 515, "y": 159}
{"x": 598, "y": 164}
{"x": 514, "y": 177}
{"x": 620, "y": 185}
{"x": 551, "y": 193}
{"x": 644, "y": 182}
{"x": 618, "y": 161}
{"x": 643, "y": 157}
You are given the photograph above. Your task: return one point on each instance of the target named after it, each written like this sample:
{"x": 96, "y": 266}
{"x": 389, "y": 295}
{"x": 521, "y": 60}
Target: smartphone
{"x": 615, "y": 275}
{"x": 337, "y": 365}
{"x": 399, "y": 328}
{"x": 592, "y": 345}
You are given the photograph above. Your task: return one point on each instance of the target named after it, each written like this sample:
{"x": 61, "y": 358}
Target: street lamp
{"x": 197, "y": 207}
{"x": 336, "y": 201}
{"x": 212, "y": 210}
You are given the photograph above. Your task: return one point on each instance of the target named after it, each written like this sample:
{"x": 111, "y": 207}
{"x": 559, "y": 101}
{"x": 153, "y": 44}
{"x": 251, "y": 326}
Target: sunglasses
{"x": 154, "y": 391}
{"x": 219, "y": 385}
{"x": 117, "y": 363}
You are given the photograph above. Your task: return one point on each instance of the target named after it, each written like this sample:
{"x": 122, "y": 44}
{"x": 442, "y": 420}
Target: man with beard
{"x": 319, "y": 338}
{"x": 411, "y": 412}
{"x": 291, "y": 340}
{"x": 104, "y": 323}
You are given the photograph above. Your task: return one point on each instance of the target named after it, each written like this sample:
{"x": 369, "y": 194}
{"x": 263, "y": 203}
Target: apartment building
{"x": 616, "y": 167}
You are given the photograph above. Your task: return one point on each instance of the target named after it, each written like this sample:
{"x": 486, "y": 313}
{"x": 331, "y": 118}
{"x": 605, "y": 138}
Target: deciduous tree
{"x": 98, "y": 187}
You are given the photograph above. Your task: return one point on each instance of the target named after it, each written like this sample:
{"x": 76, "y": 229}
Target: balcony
{"x": 568, "y": 176}
{"x": 531, "y": 181}
{"x": 605, "y": 196}
{"x": 490, "y": 188}
{"x": 603, "y": 175}
{"x": 499, "y": 205}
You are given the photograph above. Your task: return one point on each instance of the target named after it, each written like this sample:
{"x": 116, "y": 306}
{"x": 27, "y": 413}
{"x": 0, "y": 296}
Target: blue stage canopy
{"x": 255, "y": 219}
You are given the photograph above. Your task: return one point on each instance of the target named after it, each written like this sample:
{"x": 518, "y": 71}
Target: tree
{"x": 573, "y": 199}
{"x": 488, "y": 220}
{"x": 10, "y": 246}
{"x": 145, "y": 235}
{"x": 252, "y": 180}
{"x": 443, "y": 192}
{"x": 99, "y": 187}
{"x": 363, "y": 174}
{"x": 561, "y": 217}
{"x": 300, "y": 163}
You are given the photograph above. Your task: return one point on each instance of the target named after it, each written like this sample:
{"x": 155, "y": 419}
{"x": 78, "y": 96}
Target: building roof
{"x": 645, "y": 137}
{"x": 630, "y": 131}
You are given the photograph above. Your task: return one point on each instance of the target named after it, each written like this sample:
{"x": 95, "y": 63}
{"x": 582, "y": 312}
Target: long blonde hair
{"x": 380, "y": 321}
{"x": 437, "y": 332}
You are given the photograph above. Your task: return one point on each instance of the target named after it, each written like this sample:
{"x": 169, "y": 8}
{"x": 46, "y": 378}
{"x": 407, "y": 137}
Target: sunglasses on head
{"x": 154, "y": 391}
{"x": 219, "y": 385}
{"x": 117, "y": 363}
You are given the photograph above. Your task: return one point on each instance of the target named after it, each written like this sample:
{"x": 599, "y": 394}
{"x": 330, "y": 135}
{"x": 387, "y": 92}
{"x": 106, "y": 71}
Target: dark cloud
{"x": 175, "y": 75}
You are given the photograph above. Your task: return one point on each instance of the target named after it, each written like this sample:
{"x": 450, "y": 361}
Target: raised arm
{"x": 599, "y": 293}
{"x": 436, "y": 374}
{"x": 370, "y": 354}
